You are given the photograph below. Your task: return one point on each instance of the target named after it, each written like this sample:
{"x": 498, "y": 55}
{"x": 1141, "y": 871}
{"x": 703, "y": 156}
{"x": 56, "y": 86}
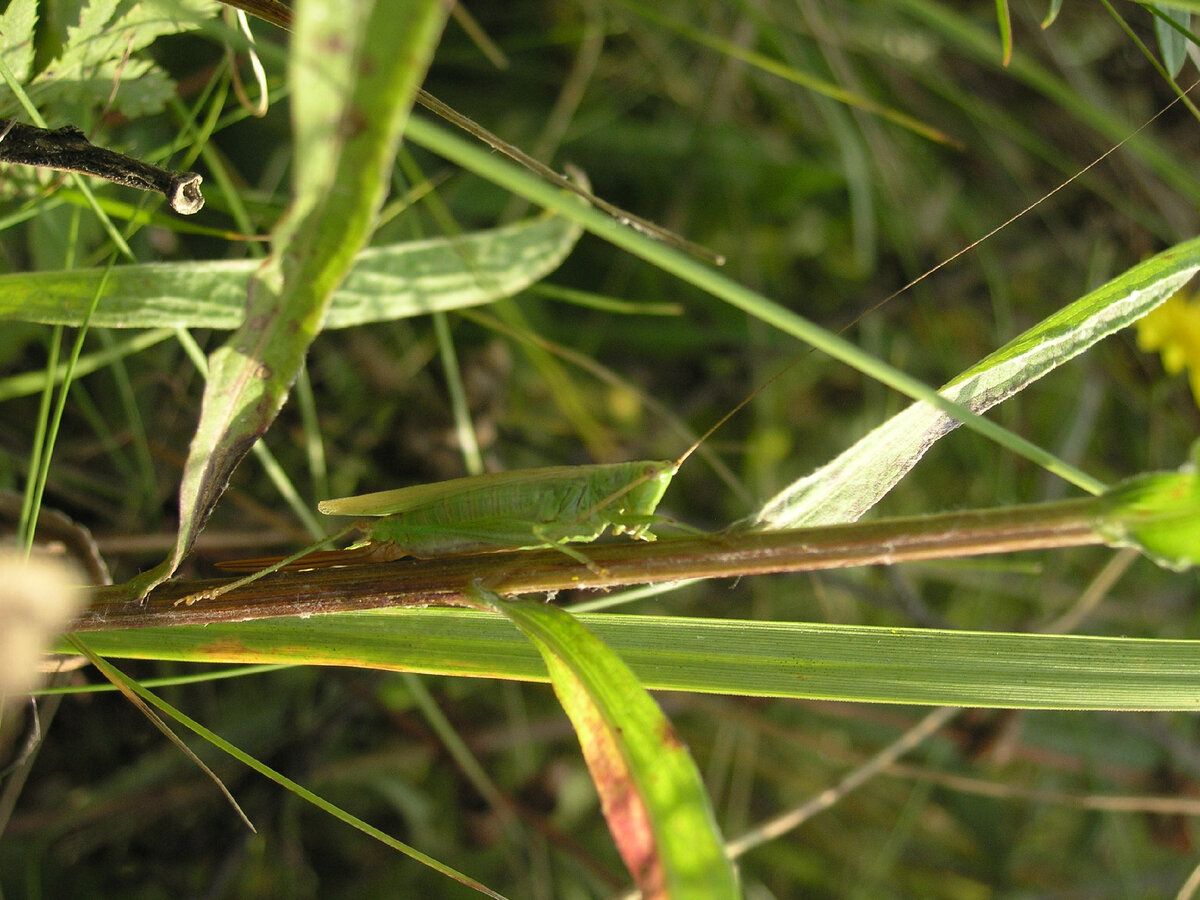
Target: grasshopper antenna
{"x": 892, "y": 296}
{"x": 945, "y": 262}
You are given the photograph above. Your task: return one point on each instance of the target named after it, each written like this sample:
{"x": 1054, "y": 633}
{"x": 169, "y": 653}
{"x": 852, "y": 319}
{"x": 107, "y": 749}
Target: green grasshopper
{"x": 519, "y": 510}
{"x": 524, "y": 509}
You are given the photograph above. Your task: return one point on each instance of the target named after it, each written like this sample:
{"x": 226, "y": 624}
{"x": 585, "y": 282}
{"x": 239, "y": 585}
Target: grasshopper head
{"x": 644, "y": 492}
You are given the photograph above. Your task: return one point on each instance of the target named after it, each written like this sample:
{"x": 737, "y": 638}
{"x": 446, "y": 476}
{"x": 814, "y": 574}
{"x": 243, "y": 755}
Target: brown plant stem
{"x": 449, "y": 580}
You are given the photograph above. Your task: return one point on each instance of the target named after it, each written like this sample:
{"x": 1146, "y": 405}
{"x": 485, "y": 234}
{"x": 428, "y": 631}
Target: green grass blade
{"x": 978, "y": 41}
{"x": 844, "y": 489}
{"x": 738, "y": 295}
{"x": 724, "y": 656}
{"x": 32, "y": 382}
{"x": 820, "y": 86}
{"x": 1004, "y": 19}
{"x": 282, "y": 780}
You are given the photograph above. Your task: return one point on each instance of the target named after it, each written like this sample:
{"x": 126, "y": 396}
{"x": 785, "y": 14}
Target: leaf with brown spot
{"x": 340, "y": 182}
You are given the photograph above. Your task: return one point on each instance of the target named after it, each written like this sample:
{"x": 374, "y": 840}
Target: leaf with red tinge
{"x": 1004, "y": 18}
{"x": 651, "y": 792}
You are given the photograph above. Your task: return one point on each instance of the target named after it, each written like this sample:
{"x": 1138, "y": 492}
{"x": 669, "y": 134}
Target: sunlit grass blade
{"x": 845, "y": 488}
{"x": 736, "y": 294}
{"x": 49, "y": 423}
{"x": 724, "y": 656}
{"x": 1004, "y": 20}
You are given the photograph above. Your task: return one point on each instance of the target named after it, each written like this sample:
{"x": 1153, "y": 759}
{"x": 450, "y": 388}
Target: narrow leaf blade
{"x": 314, "y": 245}
{"x": 652, "y": 794}
{"x": 801, "y": 660}
{"x": 844, "y": 489}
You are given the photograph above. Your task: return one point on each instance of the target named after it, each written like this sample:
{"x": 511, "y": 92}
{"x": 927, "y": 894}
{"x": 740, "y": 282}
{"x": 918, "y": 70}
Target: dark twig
{"x": 68, "y": 150}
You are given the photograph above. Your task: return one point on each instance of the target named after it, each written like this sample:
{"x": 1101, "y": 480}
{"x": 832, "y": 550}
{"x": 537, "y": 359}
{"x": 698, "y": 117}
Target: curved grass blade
{"x": 131, "y": 687}
{"x": 652, "y": 794}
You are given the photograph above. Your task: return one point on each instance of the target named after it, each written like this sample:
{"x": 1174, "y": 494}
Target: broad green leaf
{"x": 651, "y": 792}
{"x": 326, "y": 42}
{"x": 315, "y": 243}
{"x": 723, "y": 656}
{"x": 844, "y": 489}
{"x": 386, "y": 282}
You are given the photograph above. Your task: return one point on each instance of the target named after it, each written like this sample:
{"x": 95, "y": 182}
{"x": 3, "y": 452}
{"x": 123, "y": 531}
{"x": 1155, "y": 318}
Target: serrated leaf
{"x": 95, "y": 56}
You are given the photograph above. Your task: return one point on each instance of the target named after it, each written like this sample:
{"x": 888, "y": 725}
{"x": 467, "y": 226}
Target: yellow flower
{"x": 1173, "y": 329}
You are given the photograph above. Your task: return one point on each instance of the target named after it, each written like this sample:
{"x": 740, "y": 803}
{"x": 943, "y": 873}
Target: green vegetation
{"x": 832, "y": 153}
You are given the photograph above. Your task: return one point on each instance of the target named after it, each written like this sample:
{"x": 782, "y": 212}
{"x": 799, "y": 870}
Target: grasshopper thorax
{"x": 632, "y": 503}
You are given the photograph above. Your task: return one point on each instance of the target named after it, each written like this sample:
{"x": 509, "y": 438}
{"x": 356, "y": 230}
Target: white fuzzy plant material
{"x": 38, "y": 599}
